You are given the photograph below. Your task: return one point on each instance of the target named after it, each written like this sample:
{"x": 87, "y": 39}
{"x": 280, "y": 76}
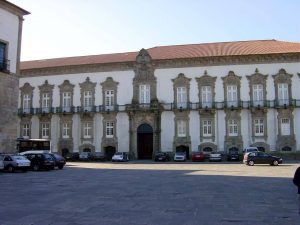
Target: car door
{"x": 264, "y": 158}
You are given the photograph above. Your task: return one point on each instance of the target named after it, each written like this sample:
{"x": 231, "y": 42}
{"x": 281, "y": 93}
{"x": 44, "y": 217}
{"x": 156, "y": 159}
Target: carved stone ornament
{"x": 231, "y": 79}
{"x": 46, "y": 88}
{"x": 257, "y": 78}
{"x": 283, "y": 77}
{"x": 27, "y": 89}
{"x": 203, "y": 81}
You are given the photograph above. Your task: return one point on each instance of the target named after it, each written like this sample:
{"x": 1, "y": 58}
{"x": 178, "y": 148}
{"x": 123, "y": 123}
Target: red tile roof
{"x": 175, "y": 52}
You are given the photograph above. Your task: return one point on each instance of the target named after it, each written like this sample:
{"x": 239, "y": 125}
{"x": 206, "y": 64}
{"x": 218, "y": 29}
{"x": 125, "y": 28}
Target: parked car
{"x": 40, "y": 161}
{"x": 85, "y": 156}
{"x": 120, "y": 157}
{"x": 261, "y": 158}
{"x": 1, "y": 162}
{"x": 72, "y": 156}
{"x": 180, "y": 156}
{"x": 215, "y": 156}
{"x": 15, "y": 162}
{"x": 250, "y": 149}
{"x": 198, "y": 156}
{"x": 59, "y": 161}
{"x": 162, "y": 156}
{"x": 233, "y": 155}
{"x": 99, "y": 156}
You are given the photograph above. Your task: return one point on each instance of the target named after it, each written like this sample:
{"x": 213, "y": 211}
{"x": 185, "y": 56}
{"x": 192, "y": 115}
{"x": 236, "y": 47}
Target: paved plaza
{"x": 148, "y": 193}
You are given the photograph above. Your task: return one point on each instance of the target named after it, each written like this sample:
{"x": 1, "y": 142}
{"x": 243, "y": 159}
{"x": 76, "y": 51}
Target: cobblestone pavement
{"x": 148, "y": 193}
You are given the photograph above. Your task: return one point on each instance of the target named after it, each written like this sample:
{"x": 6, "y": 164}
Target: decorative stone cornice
{"x": 165, "y": 63}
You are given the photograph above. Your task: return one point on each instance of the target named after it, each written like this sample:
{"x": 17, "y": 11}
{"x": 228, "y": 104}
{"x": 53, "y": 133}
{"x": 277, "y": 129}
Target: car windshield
{"x": 48, "y": 157}
{"x": 57, "y": 156}
{"x": 18, "y": 157}
{"x": 180, "y": 153}
{"x": 119, "y": 153}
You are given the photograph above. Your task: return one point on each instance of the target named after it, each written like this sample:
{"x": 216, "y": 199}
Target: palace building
{"x": 197, "y": 97}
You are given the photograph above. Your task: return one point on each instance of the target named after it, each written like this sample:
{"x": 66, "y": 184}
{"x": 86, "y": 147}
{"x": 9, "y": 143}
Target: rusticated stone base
{"x": 8, "y": 111}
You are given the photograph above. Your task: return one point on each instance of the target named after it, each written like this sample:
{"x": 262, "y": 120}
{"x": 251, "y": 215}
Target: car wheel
{"x": 10, "y": 169}
{"x": 251, "y": 163}
{"x": 275, "y": 163}
{"x": 60, "y": 167}
{"x": 36, "y": 167}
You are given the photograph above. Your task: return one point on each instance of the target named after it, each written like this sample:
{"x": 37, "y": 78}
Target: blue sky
{"x": 61, "y": 28}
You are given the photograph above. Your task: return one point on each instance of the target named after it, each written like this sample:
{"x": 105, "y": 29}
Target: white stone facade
{"x": 234, "y": 117}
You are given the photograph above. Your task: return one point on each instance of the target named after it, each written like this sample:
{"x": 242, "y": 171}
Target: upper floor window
{"x": 207, "y": 128}
{"x": 181, "y": 128}
{"x": 206, "y": 96}
{"x": 259, "y": 127}
{"x": 87, "y": 100}
{"x": 258, "y": 94}
{"x": 45, "y": 101}
{"x": 45, "y": 130}
{"x": 25, "y": 130}
{"x": 232, "y": 97}
{"x": 66, "y": 97}
{"x": 283, "y": 93}
{"x": 181, "y": 97}
{"x": 285, "y": 126}
{"x": 26, "y": 103}
{"x": 3, "y": 61}
{"x": 87, "y": 130}
{"x": 232, "y": 128}
{"x": 144, "y": 94}
{"x": 109, "y": 99}
{"x": 109, "y": 129}
{"x": 66, "y": 130}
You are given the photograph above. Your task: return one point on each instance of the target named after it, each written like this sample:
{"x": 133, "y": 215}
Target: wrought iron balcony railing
{"x": 4, "y": 65}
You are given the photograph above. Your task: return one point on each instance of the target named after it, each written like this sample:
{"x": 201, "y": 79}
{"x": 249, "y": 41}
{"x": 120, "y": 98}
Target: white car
{"x": 215, "y": 156}
{"x": 85, "y": 156}
{"x": 180, "y": 156}
{"x": 120, "y": 157}
{"x": 1, "y": 162}
{"x": 16, "y": 162}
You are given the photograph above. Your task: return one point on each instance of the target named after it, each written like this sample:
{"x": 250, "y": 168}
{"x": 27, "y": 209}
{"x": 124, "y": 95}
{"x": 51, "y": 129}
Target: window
{"x": 45, "y": 102}
{"x": 207, "y": 128}
{"x": 144, "y": 94}
{"x": 206, "y": 96}
{"x": 233, "y": 127}
{"x": 181, "y": 97}
{"x": 258, "y": 94}
{"x": 66, "y": 130}
{"x": 283, "y": 94}
{"x": 259, "y": 127}
{"x": 3, "y": 62}
{"x": 232, "y": 95}
{"x": 66, "y": 101}
{"x": 87, "y": 100}
{"x": 181, "y": 128}
{"x": 109, "y": 99}
{"x": 87, "y": 130}
{"x": 285, "y": 126}
{"x": 25, "y": 130}
{"x": 109, "y": 129}
{"x": 26, "y": 103}
{"x": 45, "y": 130}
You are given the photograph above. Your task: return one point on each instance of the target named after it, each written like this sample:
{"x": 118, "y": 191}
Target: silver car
{"x": 1, "y": 162}
{"x": 180, "y": 156}
{"x": 15, "y": 162}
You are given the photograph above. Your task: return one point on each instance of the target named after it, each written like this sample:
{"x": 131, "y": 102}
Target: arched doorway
{"x": 64, "y": 152}
{"x": 145, "y": 141}
{"x": 183, "y": 148}
{"x": 86, "y": 150}
{"x": 109, "y": 152}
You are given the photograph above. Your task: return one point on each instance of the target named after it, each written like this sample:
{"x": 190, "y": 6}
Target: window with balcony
{"x": 283, "y": 94}
{"x": 45, "y": 130}
{"x": 109, "y": 129}
{"x": 26, "y": 103}
{"x": 109, "y": 99}
{"x": 25, "y": 130}
{"x": 66, "y": 130}
{"x": 181, "y": 128}
{"x": 206, "y": 96}
{"x": 232, "y": 128}
{"x": 232, "y": 97}
{"x": 207, "y": 128}
{"x": 88, "y": 100}
{"x": 144, "y": 96}
{"x": 66, "y": 101}
{"x": 259, "y": 127}
{"x": 45, "y": 102}
{"x": 181, "y": 97}
{"x": 285, "y": 126}
{"x": 258, "y": 94}
{"x": 87, "y": 130}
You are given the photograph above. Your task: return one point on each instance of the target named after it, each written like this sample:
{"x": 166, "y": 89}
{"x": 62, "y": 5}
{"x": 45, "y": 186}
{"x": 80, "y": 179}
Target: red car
{"x": 198, "y": 156}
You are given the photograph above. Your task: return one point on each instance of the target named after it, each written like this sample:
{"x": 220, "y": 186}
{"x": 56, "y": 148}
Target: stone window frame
{"x": 232, "y": 79}
{"x": 257, "y": 113}
{"x": 181, "y": 81}
{"x": 182, "y": 116}
{"x": 83, "y": 122}
{"x": 255, "y": 79}
{"x": 144, "y": 75}
{"x": 27, "y": 89}
{"x": 66, "y": 86}
{"x": 66, "y": 119}
{"x": 109, "y": 84}
{"x": 285, "y": 114}
{"x": 207, "y": 116}
{"x": 46, "y": 88}
{"x": 87, "y": 85}
{"x": 43, "y": 120}
{"x": 206, "y": 80}
{"x": 109, "y": 141}
{"x": 25, "y": 120}
{"x": 6, "y": 68}
{"x": 282, "y": 77}
{"x": 233, "y": 115}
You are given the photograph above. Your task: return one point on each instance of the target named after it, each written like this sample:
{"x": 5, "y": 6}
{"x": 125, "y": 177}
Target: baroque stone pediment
{"x": 283, "y": 77}
{"x": 46, "y": 87}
